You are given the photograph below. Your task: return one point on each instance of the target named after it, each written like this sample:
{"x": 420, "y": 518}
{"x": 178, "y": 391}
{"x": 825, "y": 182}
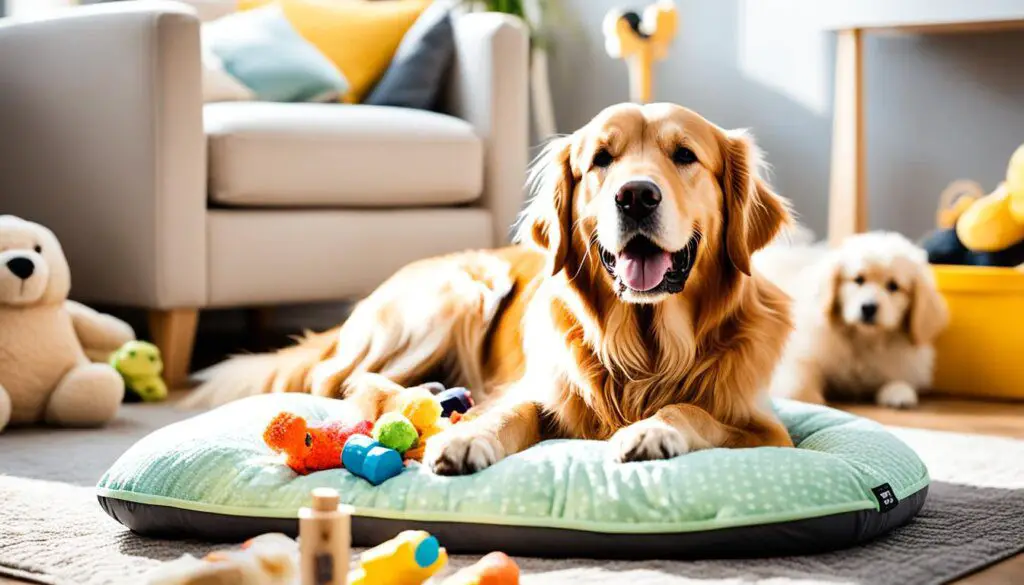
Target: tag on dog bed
{"x": 886, "y": 497}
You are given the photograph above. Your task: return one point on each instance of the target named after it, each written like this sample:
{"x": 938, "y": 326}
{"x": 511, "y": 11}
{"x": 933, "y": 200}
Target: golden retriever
{"x": 627, "y": 312}
{"x": 866, "y": 314}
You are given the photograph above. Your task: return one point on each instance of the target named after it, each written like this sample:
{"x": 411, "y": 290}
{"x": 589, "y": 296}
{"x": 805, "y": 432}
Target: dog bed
{"x": 212, "y": 478}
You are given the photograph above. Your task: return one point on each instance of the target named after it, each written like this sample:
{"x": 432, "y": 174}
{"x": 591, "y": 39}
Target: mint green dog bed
{"x": 849, "y": 480}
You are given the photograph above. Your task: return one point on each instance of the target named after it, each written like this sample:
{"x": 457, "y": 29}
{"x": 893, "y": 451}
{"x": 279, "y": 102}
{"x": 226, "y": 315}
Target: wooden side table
{"x": 852, "y": 20}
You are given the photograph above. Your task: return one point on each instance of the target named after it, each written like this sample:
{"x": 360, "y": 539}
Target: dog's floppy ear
{"x": 928, "y": 312}
{"x": 547, "y": 220}
{"x": 753, "y": 213}
{"x": 828, "y": 284}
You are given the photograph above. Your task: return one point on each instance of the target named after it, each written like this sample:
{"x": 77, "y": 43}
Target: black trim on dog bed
{"x": 806, "y": 536}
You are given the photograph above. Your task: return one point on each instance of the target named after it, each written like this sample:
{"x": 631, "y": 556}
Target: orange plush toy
{"x": 310, "y": 448}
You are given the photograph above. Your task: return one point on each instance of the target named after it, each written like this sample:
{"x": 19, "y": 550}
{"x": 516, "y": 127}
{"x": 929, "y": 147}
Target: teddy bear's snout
{"x": 21, "y": 267}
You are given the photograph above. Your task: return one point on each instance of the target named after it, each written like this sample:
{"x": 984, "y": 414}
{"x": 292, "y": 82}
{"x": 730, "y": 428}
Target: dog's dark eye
{"x": 38, "y": 249}
{"x": 860, "y": 279}
{"x": 683, "y": 156}
{"x": 603, "y": 158}
{"x": 309, "y": 440}
{"x": 891, "y": 286}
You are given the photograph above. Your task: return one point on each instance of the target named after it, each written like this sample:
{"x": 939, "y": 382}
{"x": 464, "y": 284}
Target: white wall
{"x": 35, "y": 7}
{"x": 939, "y": 107}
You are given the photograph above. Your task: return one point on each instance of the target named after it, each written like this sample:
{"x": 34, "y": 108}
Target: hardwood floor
{"x": 962, "y": 416}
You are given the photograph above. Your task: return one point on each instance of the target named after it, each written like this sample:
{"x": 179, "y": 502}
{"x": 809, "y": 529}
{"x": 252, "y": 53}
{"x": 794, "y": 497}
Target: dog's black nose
{"x": 21, "y": 267}
{"x": 638, "y": 199}
{"x": 868, "y": 312}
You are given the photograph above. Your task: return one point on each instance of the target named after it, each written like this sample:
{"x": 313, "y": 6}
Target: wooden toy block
{"x": 325, "y": 537}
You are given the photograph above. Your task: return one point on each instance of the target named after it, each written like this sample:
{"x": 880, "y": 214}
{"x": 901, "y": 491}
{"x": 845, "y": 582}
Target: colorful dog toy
{"x": 981, "y": 230}
{"x": 268, "y": 559}
{"x": 996, "y": 221}
{"x": 410, "y": 558}
{"x": 310, "y": 448}
{"x": 395, "y": 431}
{"x": 425, "y": 411}
{"x": 455, "y": 400}
{"x": 140, "y": 365}
{"x": 368, "y": 459}
{"x": 494, "y": 569}
{"x": 640, "y": 41}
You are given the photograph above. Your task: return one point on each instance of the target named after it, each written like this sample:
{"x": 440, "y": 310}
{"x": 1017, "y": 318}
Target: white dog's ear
{"x": 828, "y": 285}
{"x": 928, "y": 312}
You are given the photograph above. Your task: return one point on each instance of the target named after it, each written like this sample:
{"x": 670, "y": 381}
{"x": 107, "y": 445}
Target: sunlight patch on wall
{"x": 781, "y": 46}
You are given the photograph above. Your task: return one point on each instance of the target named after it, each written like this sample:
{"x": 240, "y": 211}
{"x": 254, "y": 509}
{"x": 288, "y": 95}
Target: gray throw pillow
{"x": 421, "y": 63}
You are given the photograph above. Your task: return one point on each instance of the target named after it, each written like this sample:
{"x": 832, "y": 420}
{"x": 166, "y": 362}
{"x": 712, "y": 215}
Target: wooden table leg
{"x": 174, "y": 332}
{"x": 847, "y": 206}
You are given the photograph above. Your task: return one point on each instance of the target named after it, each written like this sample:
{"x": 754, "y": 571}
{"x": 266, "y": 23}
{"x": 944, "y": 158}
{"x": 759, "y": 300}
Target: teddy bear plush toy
{"x": 45, "y": 339}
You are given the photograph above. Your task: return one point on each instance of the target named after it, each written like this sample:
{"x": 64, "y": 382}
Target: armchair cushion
{"x": 341, "y": 156}
{"x": 261, "y": 49}
{"x": 417, "y": 73}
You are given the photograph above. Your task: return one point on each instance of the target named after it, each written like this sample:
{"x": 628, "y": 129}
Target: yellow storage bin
{"x": 982, "y": 352}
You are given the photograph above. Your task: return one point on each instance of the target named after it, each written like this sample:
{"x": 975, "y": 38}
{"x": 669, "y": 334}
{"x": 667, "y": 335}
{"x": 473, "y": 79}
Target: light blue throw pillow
{"x": 262, "y": 50}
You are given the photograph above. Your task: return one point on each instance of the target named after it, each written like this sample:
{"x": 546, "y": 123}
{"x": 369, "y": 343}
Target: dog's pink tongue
{"x": 642, "y": 273}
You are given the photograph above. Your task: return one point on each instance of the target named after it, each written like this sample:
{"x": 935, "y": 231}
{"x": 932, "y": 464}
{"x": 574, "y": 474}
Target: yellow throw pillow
{"x": 358, "y": 37}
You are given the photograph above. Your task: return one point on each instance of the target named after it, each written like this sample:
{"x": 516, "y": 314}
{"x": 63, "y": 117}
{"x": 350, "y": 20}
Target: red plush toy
{"x": 310, "y": 448}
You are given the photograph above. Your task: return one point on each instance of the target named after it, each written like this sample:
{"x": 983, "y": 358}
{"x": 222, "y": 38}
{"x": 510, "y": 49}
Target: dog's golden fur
{"x": 550, "y": 343}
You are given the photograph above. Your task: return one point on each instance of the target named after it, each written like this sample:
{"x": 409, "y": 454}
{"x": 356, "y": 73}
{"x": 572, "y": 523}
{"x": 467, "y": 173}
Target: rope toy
{"x": 640, "y": 41}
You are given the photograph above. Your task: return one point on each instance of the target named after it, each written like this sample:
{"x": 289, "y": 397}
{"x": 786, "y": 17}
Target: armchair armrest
{"x": 489, "y": 88}
{"x": 101, "y": 139}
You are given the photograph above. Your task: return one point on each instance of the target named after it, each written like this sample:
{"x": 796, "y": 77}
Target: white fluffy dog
{"x": 866, "y": 314}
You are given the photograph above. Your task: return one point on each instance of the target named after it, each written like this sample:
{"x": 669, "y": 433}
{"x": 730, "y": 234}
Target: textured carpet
{"x": 53, "y": 531}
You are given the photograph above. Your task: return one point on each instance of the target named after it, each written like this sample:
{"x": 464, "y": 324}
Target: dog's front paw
{"x": 897, "y": 395}
{"x": 460, "y": 452}
{"x": 648, "y": 440}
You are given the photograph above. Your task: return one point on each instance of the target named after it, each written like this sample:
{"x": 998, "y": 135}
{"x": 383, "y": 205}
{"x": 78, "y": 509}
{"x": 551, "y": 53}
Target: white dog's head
{"x": 880, "y": 282}
{"x": 33, "y": 268}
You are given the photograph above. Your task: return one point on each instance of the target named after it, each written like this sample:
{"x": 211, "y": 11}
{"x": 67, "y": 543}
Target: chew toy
{"x": 410, "y": 558}
{"x": 394, "y": 431}
{"x": 310, "y": 448}
{"x": 421, "y": 407}
{"x": 368, "y": 459}
{"x": 268, "y": 559}
{"x": 424, "y": 410}
{"x": 140, "y": 364}
{"x": 640, "y": 41}
{"x": 455, "y": 400}
{"x": 494, "y": 569}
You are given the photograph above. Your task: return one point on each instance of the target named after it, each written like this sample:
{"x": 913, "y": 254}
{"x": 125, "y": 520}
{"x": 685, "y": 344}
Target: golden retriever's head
{"x": 880, "y": 282}
{"x": 647, "y": 194}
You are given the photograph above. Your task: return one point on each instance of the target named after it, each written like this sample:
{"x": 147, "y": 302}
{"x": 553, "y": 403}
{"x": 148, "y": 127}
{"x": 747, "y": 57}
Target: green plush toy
{"x": 140, "y": 365}
{"x": 394, "y": 431}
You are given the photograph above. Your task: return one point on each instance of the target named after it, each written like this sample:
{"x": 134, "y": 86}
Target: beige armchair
{"x": 169, "y": 205}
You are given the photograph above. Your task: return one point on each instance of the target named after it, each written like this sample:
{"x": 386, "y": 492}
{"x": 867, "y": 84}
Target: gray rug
{"x": 53, "y": 531}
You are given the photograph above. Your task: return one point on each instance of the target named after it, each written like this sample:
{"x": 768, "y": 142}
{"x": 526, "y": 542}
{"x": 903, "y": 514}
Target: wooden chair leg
{"x": 847, "y": 205}
{"x": 174, "y": 332}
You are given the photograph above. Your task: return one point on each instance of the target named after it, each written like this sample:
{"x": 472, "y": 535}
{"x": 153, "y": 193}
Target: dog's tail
{"x": 286, "y": 370}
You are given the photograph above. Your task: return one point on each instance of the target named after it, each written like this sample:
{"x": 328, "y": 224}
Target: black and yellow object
{"x": 641, "y": 40}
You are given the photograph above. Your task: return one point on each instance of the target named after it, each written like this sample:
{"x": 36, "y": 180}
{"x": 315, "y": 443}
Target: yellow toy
{"x": 640, "y": 41}
{"x": 140, "y": 365}
{"x": 424, "y": 411}
{"x": 410, "y": 558}
{"x": 996, "y": 222}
